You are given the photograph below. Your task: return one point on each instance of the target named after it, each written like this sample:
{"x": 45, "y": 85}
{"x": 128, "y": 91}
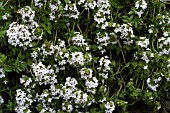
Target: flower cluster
{"x": 89, "y": 56}
{"x": 72, "y": 10}
{"x": 103, "y": 14}
{"x": 19, "y": 35}
{"x": 125, "y": 31}
{"x": 78, "y": 40}
{"x": 44, "y": 75}
{"x": 104, "y": 67}
{"x": 102, "y": 41}
{"x": 87, "y": 4}
{"x": 155, "y": 84}
{"x": 27, "y": 14}
{"x": 23, "y": 34}
{"x": 39, "y": 3}
{"x": 144, "y": 43}
{"x": 54, "y": 9}
{"x": 140, "y": 6}
{"x": 110, "y": 107}
{"x": 23, "y": 101}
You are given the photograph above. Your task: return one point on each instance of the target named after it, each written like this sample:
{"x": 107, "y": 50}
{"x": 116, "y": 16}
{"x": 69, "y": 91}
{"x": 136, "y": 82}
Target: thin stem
{"x": 119, "y": 89}
{"x": 79, "y": 28}
{"x": 32, "y": 2}
{"x": 45, "y": 5}
{"x": 55, "y": 38}
{"x": 6, "y": 3}
{"x": 122, "y": 53}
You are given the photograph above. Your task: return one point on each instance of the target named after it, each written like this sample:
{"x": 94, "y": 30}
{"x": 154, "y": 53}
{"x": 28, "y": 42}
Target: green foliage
{"x": 123, "y": 45}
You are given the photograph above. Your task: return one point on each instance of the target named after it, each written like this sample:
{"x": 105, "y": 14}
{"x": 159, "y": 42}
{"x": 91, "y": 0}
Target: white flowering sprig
{"x": 44, "y": 75}
{"x": 103, "y": 14}
{"x": 23, "y": 101}
{"x": 39, "y": 3}
{"x": 6, "y": 16}
{"x": 155, "y": 85}
{"x": 92, "y": 84}
{"x": 85, "y": 57}
{"x": 126, "y": 33}
{"x": 140, "y": 6}
{"x": 79, "y": 40}
{"x": 54, "y": 8}
{"x": 104, "y": 67}
{"x": 23, "y": 34}
{"x": 144, "y": 43}
{"x": 88, "y": 4}
{"x": 25, "y": 80}
{"x": 72, "y": 10}
{"x": 27, "y": 14}
{"x": 110, "y": 107}
{"x": 102, "y": 41}
{"x": 19, "y": 35}
{"x": 77, "y": 58}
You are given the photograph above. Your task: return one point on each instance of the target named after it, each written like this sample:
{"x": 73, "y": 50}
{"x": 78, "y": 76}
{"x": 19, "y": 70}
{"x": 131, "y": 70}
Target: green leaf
{"x": 113, "y": 63}
{"x": 94, "y": 47}
{"x": 95, "y": 59}
{"x": 102, "y": 106}
{"x": 23, "y": 65}
{"x": 134, "y": 64}
{"x": 19, "y": 69}
{"x": 10, "y": 105}
{"x": 66, "y": 1}
{"x": 60, "y": 111}
{"x": 49, "y": 32}
{"x": 115, "y": 3}
{"x": 3, "y": 58}
{"x": 127, "y": 21}
{"x": 40, "y": 107}
{"x": 1, "y": 6}
{"x": 8, "y": 69}
{"x": 127, "y": 64}
{"x": 2, "y": 33}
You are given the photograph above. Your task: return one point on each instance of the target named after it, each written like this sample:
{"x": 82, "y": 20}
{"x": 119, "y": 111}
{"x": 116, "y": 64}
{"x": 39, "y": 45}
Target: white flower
{"x": 144, "y": 57}
{"x": 27, "y": 14}
{"x": 81, "y": 2}
{"x": 1, "y": 100}
{"x": 165, "y": 34}
{"x": 143, "y": 5}
{"x": 71, "y": 82}
{"x": 86, "y": 73}
{"x": 34, "y": 54}
{"x": 152, "y": 87}
{"x": 91, "y": 83}
{"x": 137, "y": 5}
{"x": 139, "y": 13}
{"x": 5, "y": 16}
{"x": 145, "y": 67}
{"x": 44, "y": 75}
{"x": 78, "y": 39}
{"x": 5, "y": 81}
{"x": 105, "y": 62}
{"x": 2, "y": 73}
{"x": 37, "y": 3}
{"x": 77, "y": 58}
{"x": 109, "y": 107}
{"x": 150, "y": 31}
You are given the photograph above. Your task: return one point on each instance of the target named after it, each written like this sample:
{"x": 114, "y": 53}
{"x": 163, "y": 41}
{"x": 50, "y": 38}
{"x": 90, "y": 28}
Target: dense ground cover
{"x": 84, "y": 56}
